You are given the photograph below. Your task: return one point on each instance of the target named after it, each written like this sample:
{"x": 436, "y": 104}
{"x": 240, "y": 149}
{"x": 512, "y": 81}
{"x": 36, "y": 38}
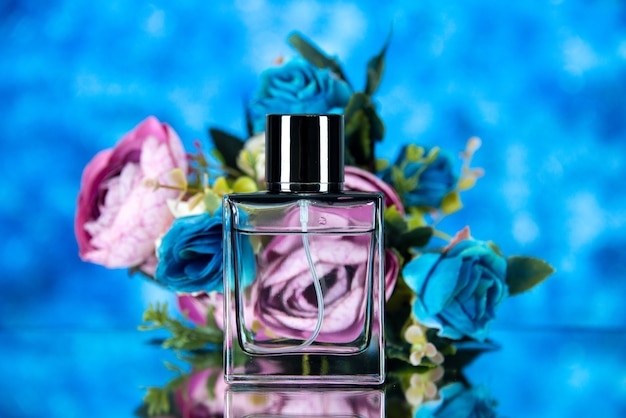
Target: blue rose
{"x": 297, "y": 87}
{"x": 458, "y": 401}
{"x": 190, "y": 254}
{"x": 459, "y": 289}
{"x": 434, "y": 181}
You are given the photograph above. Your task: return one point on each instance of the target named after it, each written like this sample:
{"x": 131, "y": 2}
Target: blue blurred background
{"x": 543, "y": 84}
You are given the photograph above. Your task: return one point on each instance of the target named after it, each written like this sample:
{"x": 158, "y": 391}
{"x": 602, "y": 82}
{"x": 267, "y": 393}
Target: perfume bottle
{"x": 303, "y": 266}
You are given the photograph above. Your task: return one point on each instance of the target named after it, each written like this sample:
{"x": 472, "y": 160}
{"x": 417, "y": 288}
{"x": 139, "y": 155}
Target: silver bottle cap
{"x": 304, "y": 153}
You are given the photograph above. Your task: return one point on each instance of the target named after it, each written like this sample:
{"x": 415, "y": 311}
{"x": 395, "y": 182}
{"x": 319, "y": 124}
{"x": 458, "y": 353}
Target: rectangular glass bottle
{"x": 304, "y": 288}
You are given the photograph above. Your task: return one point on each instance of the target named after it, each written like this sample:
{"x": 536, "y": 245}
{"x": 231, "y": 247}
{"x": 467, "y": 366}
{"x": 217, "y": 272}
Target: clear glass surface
{"x": 304, "y": 288}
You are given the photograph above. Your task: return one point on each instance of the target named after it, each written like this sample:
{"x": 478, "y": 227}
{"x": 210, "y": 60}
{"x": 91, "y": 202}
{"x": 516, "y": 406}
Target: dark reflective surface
{"x": 538, "y": 373}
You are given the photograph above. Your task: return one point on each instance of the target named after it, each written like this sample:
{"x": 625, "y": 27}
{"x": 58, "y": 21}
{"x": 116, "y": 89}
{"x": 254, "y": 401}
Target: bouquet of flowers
{"x": 150, "y": 206}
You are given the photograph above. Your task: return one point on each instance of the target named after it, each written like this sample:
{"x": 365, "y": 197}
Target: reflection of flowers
{"x": 119, "y": 215}
{"x": 336, "y": 403}
{"x": 197, "y": 307}
{"x": 456, "y": 400}
{"x": 459, "y": 289}
{"x": 202, "y": 395}
{"x": 297, "y": 87}
{"x": 423, "y": 386}
{"x": 190, "y": 254}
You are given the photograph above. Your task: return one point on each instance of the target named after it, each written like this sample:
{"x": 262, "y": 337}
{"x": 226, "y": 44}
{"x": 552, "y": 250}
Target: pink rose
{"x": 119, "y": 214}
{"x": 364, "y": 181}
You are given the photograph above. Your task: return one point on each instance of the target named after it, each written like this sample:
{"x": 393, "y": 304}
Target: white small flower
{"x": 251, "y": 159}
{"x": 181, "y": 208}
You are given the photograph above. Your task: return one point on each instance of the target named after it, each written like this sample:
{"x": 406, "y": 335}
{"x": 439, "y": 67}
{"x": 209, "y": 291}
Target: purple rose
{"x": 459, "y": 289}
{"x": 283, "y": 295}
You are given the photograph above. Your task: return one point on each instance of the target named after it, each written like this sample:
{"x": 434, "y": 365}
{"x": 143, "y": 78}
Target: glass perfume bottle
{"x": 303, "y": 272}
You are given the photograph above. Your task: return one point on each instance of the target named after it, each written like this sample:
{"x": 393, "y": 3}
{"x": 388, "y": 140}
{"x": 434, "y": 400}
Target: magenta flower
{"x": 119, "y": 215}
{"x": 196, "y": 306}
{"x": 360, "y": 180}
{"x": 196, "y": 399}
{"x": 363, "y": 181}
{"x": 205, "y": 391}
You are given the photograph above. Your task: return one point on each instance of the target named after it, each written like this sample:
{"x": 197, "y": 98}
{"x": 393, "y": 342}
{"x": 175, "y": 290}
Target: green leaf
{"x": 417, "y": 237}
{"x": 376, "y": 124}
{"x": 397, "y": 178}
{"x": 523, "y": 273}
{"x": 363, "y": 126}
{"x": 314, "y": 55}
{"x": 414, "y": 153}
{"x": 375, "y": 68}
{"x": 228, "y": 146}
{"x": 397, "y": 352}
{"x": 394, "y": 221}
{"x": 204, "y": 359}
{"x": 365, "y": 144}
{"x": 400, "y": 237}
{"x": 451, "y": 203}
{"x": 359, "y": 144}
{"x": 432, "y": 155}
{"x": 381, "y": 164}
{"x": 157, "y": 401}
{"x": 358, "y": 101}
{"x": 495, "y": 248}
{"x": 211, "y": 201}
{"x": 210, "y": 385}
{"x": 184, "y": 337}
{"x": 173, "y": 367}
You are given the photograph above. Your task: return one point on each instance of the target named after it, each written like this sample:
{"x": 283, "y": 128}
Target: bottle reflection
{"x": 309, "y": 402}
{"x": 204, "y": 393}
{"x": 418, "y": 392}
